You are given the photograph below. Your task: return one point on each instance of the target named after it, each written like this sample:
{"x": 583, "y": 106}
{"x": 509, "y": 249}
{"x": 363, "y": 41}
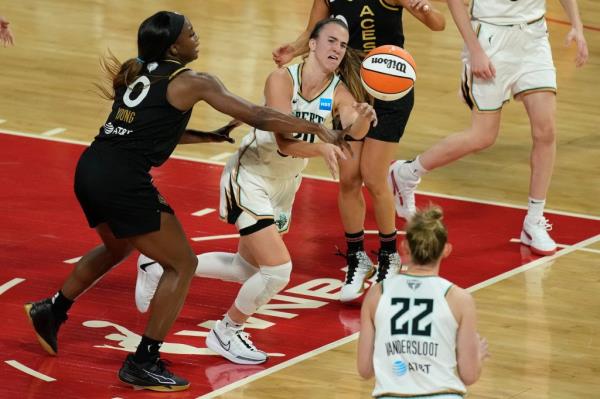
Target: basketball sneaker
{"x": 360, "y": 269}
{"x": 389, "y": 265}
{"x": 234, "y": 345}
{"x": 149, "y": 273}
{"x": 153, "y": 376}
{"x": 45, "y": 323}
{"x": 403, "y": 184}
{"x": 535, "y": 235}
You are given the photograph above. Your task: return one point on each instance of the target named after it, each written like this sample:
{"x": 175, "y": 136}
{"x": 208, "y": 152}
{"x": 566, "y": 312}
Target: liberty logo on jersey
{"x": 325, "y": 104}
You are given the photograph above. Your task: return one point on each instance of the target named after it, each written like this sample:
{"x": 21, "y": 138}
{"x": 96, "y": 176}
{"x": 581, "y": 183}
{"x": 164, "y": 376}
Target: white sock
{"x": 415, "y": 169}
{"x": 229, "y": 323}
{"x": 224, "y": 266}
{"x": 535, "y": 210}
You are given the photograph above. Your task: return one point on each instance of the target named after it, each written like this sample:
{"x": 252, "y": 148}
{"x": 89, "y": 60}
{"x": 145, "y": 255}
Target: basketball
{"x": 388, "y": 72}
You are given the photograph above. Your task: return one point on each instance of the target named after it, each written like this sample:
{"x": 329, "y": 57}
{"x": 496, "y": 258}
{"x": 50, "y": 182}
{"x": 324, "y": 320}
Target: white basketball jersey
{"x": 259, "y": 152}
{"x": 415, "y": 339}
{"x": 508, "y": 12}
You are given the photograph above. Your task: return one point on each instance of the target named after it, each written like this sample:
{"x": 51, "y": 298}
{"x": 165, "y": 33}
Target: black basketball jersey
{"x": 142, "y": 120}
{"x": 372, "y": 23}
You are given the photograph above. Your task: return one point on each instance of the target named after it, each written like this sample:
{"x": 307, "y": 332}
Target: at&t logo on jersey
{"x": 325, "y": 104}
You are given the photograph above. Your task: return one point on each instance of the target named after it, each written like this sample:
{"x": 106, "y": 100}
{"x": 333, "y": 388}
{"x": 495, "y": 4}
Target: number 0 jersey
{"x": 142, "y": 119}
{"x": 259, "y": 152}
{"x": 508, "y": 12}
{"x": 415, "y": 339}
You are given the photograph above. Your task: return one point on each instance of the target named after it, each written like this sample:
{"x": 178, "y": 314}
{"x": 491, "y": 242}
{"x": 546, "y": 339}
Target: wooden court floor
{"x": 543, "y": 324}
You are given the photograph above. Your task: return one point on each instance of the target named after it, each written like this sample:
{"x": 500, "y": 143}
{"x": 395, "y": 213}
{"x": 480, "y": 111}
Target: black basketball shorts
{"x": 392, "y": 117}
{"x": 115, "y": 187}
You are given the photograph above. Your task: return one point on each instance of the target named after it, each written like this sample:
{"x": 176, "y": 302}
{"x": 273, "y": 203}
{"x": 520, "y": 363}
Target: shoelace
{"x": 244, "y": 337}
{"x": 543, "y": 223}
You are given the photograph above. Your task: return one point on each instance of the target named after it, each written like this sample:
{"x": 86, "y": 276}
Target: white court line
{"x": 354, "y": 336}
{"x": 53, "y": 132}
{"x": 221, "y": 156}
{"x": 209, "y": 238}
{"x": 329, "y": 179}
{"x": 9, "y": 284}
{"x": 595, "y": 251}
{"x": 27, "y": 370}
{"x": 203, "y": 212}
{"x": 72, "y": 260}
{"x": 535, "y": 263}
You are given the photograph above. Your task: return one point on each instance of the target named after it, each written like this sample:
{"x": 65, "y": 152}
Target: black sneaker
{"x": 389, "y": 265}
{"x": 45, "y": 323}
{"x": 152, "y": 375}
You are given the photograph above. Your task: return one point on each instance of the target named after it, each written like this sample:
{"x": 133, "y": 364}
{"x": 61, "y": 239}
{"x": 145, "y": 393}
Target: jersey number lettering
{"x": 411, "y": 326}
{"x": 308, "y": 137}
{"x": 143, "y": 80}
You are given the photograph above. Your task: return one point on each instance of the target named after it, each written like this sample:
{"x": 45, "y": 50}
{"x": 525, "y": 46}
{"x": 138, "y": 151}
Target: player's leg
{"x": 351, "y": 204}
{"x": 48, "y": 314}
{"x": 376, "y": 156}
{"x": 541, "y": 108}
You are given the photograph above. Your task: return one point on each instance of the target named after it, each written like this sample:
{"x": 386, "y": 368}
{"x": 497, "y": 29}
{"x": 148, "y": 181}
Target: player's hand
{"x": 481, "y": 66}
{"x": 336, "y": 137}
{"x": 576, "y": 35}
{"x": 420, "y": 5}
{"x": 6, "y": 36}
{"x": 224, "y": 131}
{"x": 331, "y": 154}
{"x": 365, "y": 110}
{"x": 283, "y": 54}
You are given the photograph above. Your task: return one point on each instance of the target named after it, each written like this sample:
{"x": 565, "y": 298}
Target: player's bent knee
{"x": 276, "y": 277}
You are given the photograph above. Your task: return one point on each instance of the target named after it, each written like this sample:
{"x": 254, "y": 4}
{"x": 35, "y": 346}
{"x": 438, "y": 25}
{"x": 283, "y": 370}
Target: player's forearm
{"x": 463, "y": 23}
{"x": 300, "y": 45}
{"x": 572, "y": 11}
{"x": 299, "y": 149}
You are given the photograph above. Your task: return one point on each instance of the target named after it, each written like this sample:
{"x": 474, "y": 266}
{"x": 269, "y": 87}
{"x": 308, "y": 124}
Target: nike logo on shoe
{"x": 226, "y": 347}
{"x": 143, "y": 266}
{"x": 159, "y": 378}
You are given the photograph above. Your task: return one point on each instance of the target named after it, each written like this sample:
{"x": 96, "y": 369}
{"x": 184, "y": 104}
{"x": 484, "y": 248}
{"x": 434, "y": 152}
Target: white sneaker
{"x": 403, "y": 188}
{"x": 360, "y": 269}
{"x": 389, "y": 264}
{"x": 234, "y": 345}
{"x": 535, "y": 235}
{"x": 149, "y": 273}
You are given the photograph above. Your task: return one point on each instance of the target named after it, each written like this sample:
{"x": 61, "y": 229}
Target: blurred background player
{"x": 507, "y": 53}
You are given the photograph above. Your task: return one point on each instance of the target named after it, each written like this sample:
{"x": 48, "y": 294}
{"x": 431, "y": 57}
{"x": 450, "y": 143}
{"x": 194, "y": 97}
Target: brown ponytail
{"x": 349, "y": 70}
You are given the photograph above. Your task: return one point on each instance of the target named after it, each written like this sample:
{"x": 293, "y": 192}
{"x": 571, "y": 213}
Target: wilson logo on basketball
{"x": 388, "y": 73}
{"x": 391, "y": 64}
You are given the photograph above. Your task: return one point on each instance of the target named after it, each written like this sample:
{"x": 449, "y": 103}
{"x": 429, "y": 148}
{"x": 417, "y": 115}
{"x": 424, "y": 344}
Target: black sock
{"x": 61, "y": 304}
{"x": 147, "y": 350}
{"x": 388, "y": 242}
{"x": 355, "y": 241}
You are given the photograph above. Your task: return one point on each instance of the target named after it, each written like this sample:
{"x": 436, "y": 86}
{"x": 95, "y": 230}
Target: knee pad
{"x": 262, "y": 286}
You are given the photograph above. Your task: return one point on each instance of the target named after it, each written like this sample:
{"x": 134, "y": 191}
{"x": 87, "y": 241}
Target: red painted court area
{"x": 41, "y": 227}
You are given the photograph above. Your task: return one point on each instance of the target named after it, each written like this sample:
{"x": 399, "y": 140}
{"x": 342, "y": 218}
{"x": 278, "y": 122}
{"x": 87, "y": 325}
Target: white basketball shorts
{"x": 247, "y": 198}
{"x": 522, "y": 57}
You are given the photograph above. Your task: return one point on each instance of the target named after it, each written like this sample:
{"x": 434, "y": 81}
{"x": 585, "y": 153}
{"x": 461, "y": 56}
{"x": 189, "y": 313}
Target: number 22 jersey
{"x": 415, "y": 339}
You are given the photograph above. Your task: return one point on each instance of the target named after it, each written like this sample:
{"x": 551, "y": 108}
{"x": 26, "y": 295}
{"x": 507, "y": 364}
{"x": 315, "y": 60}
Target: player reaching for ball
{"x": 372, "y": 23}
{"x": 259, "y": 183}
{"x": 506, "y": 53}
